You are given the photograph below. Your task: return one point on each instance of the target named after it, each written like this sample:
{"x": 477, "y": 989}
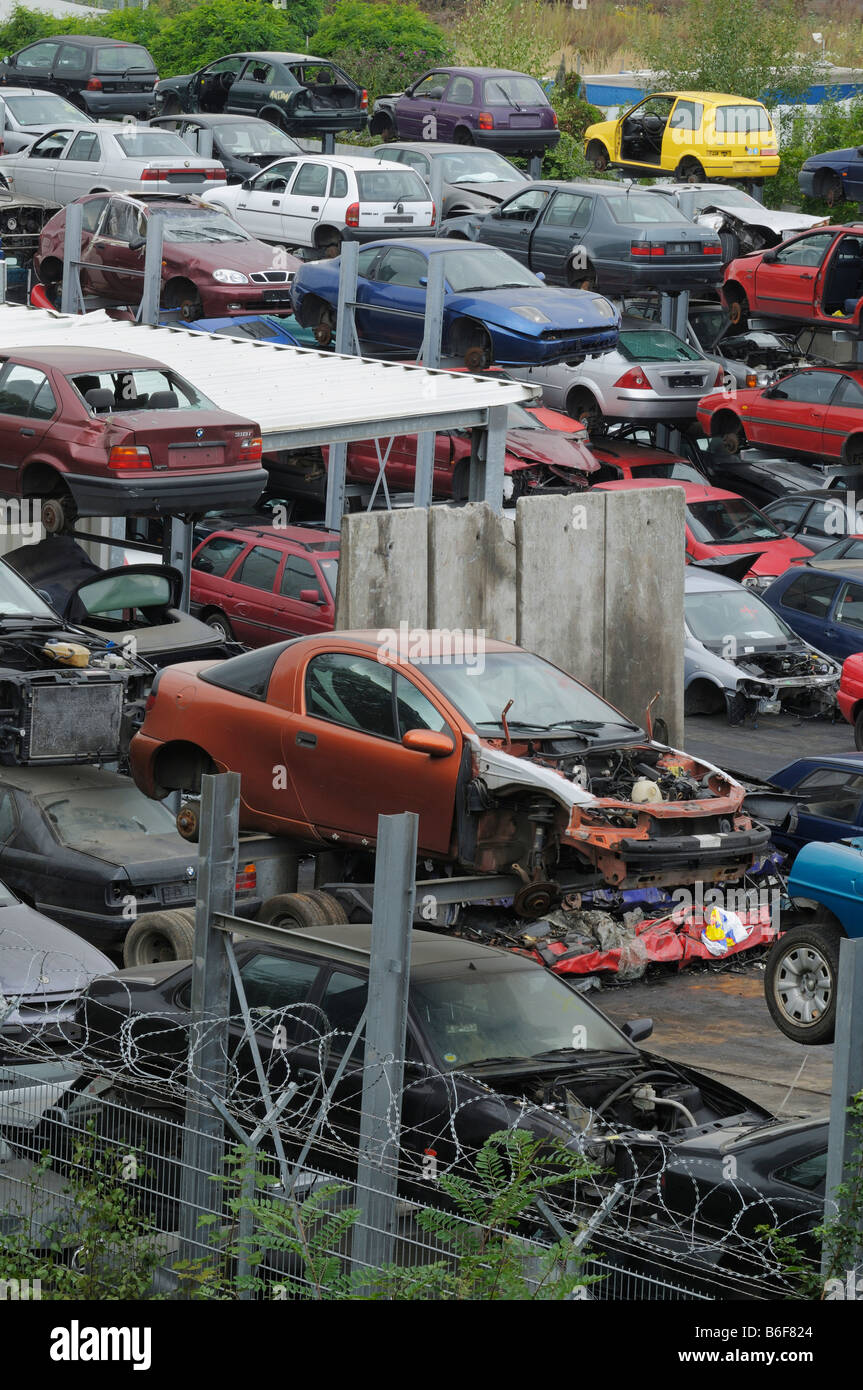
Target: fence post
{"x": 149, "y": 310}
{"x": 210, "y": 1008}
{"x": 844, "y": 1136}
{"x": 386, "y": 1031}
{"x": 71, "y": 298}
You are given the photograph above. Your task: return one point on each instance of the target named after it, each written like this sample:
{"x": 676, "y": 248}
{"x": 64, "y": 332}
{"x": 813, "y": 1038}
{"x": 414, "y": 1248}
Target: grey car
{"x": 651, "y": 375}
{"x": 473, "y": 180}
{"x": 740, "y": 221}
{"x": 740, "y": 657}
{"x": 26, "y": 113}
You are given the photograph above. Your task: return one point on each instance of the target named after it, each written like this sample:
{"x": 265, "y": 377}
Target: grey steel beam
{"x": 844, "y": 1141}
{"x": 177, "y": 549}
{"x": 431, "y": 354}
{"x": 148, "y": 310}
{"x": 486, "y": 482}
{"x": 71, "y": 298}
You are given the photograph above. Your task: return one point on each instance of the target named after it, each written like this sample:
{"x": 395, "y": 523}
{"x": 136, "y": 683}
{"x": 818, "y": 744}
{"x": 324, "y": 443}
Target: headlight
{"x": 603, "y": 308}
{"x": 758, "y": 582}
{"x": 230, "y": 277}
{"x": 527, "y": 311}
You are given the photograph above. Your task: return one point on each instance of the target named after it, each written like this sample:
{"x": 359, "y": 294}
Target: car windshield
{"x": 119, "y": 592}
{"x": 849, "y": 548}
{"x": 520, "y": 419}
{"x": 678, "y": 469}
{"x": 18, "y": 600}
{"x": 254, "y": 137}
{"x": 728, "y": 196}
{"x": 105, "y": 818}
{"x": 718, "y": 614}
{"x": 152, "y": 144}
{"x": 193, "y": 224}
{"x": 655, "y": 345}
{"x": 729, "y": 519}
{"x": 488, "y": 1011}
{"x": 479, "y": 166}
{"x": 391, "y": 186}
{"x": 132, "y": 390}
{"x": 485, "y": 269}
{"x": 639, "y": 209}
{"x": 129, "y": 58}
{"x": 481, "y": 684}
{"x": 38, "y": 108}
{"x": 513, "y": 91}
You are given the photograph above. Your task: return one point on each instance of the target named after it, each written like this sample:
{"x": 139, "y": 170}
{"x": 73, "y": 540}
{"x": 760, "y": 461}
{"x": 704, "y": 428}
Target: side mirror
{"x": 204, "y": 566}
{"x": 136, "y": 242}
{"x": 769, "y": 257}
{"x": 637, "y": 1029}
{"x": 427, "y": 741}
{"x": 540, "y": 275}
{"x": 424, "y": 280}
{"x": 247, "y": 183}
{"x": 311, "y": 596}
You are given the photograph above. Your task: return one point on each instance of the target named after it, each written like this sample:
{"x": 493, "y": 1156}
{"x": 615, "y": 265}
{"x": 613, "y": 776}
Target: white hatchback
{"x": 322, "y": 200}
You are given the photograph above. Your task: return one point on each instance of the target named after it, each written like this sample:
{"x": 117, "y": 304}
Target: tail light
{"x": 251, "y": 451}
{"x": 634, "y": 380}
{"x": 129, "y": 456}
{"x": 247, "y": 879}
{"x": 554, "y": 118}
{"x": 712, "y": 248}
{"x": 352, "y": 216}
{"x": 751, "y": 379}
{"x": 770, "y": 149}
{"x": 434, "y": 212}
{"x": 646, "y": 248}
{"x": 486, "y": 120}
{"x": 94, "y": 85}
{"x": 364, "y": 101}
{"x": 720, "y": 378}
{"x": 217, "y": 175}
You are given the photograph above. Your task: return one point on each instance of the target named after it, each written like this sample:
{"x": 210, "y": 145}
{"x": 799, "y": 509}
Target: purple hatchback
{"x": 502, "y": 110}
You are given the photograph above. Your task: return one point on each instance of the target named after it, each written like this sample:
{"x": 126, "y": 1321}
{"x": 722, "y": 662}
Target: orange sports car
{"x": 512, "y": 766}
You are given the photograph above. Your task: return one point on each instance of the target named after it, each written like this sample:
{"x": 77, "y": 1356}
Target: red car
{"x": 815, "y": 410}
{"x": 261, "y": 586}
{"x": 813, "y": 278}
{"x": 211, "y": 266}
{"x": 722, "y": 523}
{"x": 621, "y": 459}
{"x": 94, "y": 432}
{"x": 850, "y": 695}
{"x": 545, "y": 452}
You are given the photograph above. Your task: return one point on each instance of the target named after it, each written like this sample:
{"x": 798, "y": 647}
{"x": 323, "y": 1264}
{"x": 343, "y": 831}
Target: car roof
{"x": 702, "y": 581}
{"x": 84, "y": 40}
{"x": 308, "y": 537}
{"x": 82, "y": 359}
{"x": 633, "y": 452}
{"x": 477, "y": 72}
{"x": 39, "y": 781}
{"x": 352, "y": 940}
{"x": 272, "y": 56}
{"x": 695, "y": 492}
{"x": 711, "y": 96}
{"x": 211, "y": 117}
{"x": 431, "y": 147}
{"x": 355, "y": 161}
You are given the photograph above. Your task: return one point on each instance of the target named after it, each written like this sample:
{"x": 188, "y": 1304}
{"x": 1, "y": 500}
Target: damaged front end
{"x": 803, "y": 683}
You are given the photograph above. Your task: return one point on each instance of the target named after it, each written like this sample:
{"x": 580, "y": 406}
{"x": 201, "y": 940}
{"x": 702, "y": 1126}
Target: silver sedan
{"x": 651, "y": 375}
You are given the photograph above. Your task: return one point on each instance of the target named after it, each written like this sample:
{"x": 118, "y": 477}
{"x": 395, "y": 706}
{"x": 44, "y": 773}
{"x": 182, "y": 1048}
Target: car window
{"x": 128, "y": 57}
{"x": 39, "y": 55}
{"x": 655, "y": 345}
{"x": 151, "y": 144}
{"x": 340, "y": 184}
{"x": 8, "y": 816}
{"x": 344, "y": 998}
{"x": 366, "y": 261}
{"x": 741, "y": 120}
{"x": 432, "y": 87}
{"x": 417, "y": 161}
{"x": 811, "y": 593}
{"x": 826, "y": 519}
{"x": 299, "y": 575}
{"x": 850, "y": 608}
{"x": 311, "y": 181}
{"x": 786, "y": 513}
{"x": 19, "y": 387}
{"x": 220, "y": 552}
{"x": 850, "y": 393}
{"x": 401, "y": 266}
{"x": 264, "y": 73}
{"x": 390, "y": 186}
{"x": 44, "y": 404}
{"x": 259, "y": 568}
{"x": 687, "y": 115}
{"x": 460, "y": 91}
{"x": 569, "y": 210}
{"x": 91, "y": 211}
{"x": 415, "y": 710}
{"x": 85, "y": 147}
{"x": 71, "y": 61}
{"x": 524, "y": 206}
{"x": 644, "y": 209}
{"x": 809, "y": 1173}
{"x": 276, "y": 177}
{"x": 806, "y": 250}
{"x": 50, "y": 146}
{"x": 276, "y": 981}
{"x": 812, "y": 388}
{"x": 832, "y": 793}
{"x": 353, "y": 691}
{"x": 248, "y": 674}
{"x": 121, "y": 221}
{"x": 513, "y": 91}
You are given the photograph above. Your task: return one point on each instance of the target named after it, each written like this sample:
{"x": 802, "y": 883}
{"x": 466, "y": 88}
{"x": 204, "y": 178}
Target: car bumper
{"x": 119, "y": 103}
{"x": 643, "y": 405}
{"x": 693, "y": 852}
{"x": 511, "y": 350}
{"x": 223, "y": 301}
{"x": 755, "y": 167}
{"x": 325, "y": 123}
{"x": 532, "y": 141}
{"x": 165, "y": 493}
{"x": 387, "y": 234}
{"x": 847, "y": 704}
{"x": 630, "y": 277}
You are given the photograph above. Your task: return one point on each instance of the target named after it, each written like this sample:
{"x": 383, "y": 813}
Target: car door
{"x": 346, "y": 756}
{"x": 847, "y": 620}
{"x": 33, "y": 65}
{"x": 34, "y": 173}
{"x": 558, "y": 233}
{"x": 807, "y": 604}
{"x": 211, "y": 86}
{"x": 27, "y": 407}
{"x": 844, "y": 419}
{"x": 511, "y": 225}
{"x": 295, "y": 613}
{"x": 786, "y": 279}
{"x": 830, "y": 810}
{"x": 683, "y": 132}
{"x": 210, "y": 587}
{"x": 260, "y": 207}
{"x": 278, "y": 987}
{"x": 254, "y": 582}
{"x": 788, "y": 514}
{"x": 792, "y": 414}
{"x": 253, "y": 89}
{"x": 79, "y": 167}
{"x": 303, "y": 204}
{"x": 69, "y": 72}
{"x": 116, "y": 252}
{"x": 418, "y": 109}
{"x": 458, "y": 109}
{"x": 397, "y": 284}
{"x": 92, "y": 213}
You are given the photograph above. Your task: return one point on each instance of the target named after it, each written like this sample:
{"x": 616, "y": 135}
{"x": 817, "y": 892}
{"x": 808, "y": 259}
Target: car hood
{"x": 491, "y": 193}
{"x": 564, "y": 308}
{"x": 38, "y": 956}
{"x": 780, "y": 222}
{"x": 552, "y": 447}
{"x": 245, "y": 256}
{"x": 773, "y": 557}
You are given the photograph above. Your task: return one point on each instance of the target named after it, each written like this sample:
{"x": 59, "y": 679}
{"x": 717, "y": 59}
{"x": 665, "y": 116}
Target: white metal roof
{"x": 299, "y": 396}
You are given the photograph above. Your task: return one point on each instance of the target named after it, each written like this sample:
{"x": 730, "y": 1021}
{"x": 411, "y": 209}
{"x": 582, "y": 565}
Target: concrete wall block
{"x": 383, "y": 574}
{"x": 472, "y": 570}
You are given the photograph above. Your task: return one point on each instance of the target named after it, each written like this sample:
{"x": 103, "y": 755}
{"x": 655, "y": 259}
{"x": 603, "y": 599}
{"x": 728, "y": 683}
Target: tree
{"x": 199, "y": 35}
{"x": 352, "y": 26}
{"x": 495, "y": 34}
{"x": 741, "y": 46}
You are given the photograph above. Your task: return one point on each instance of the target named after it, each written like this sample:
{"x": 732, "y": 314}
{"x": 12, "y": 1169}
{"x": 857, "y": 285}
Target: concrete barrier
{"x": 383, "y": 570}
{"x": 472, "y": 577}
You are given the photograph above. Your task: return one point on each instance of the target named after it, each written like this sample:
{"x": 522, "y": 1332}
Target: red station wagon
{"x": 261, "y": 586}
{"x": 816, "y": 411}
{"x": 813, "y": 278}
{"x": 94, "y": 432}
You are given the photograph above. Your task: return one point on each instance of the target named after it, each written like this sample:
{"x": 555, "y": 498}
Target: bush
{"x": 567, "y": 161}
{"x": 573, "y": 112}
{"x": 383, "y": 70}
{"x": 494, "y": 34}
{"x": 196, "y": 36}
{"x": 394, "y": 26}
{"x": 803, "y": 133}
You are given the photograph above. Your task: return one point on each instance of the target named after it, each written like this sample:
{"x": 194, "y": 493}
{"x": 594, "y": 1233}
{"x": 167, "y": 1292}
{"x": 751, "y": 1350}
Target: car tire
{"x": 800, "y": 979}
{"x": 183, "y": 295}
{"x": 597, "y": 155}
{"x": 730, "y": 243}
{"x": 463, "y": 136}
{"x": 738, "y": 307}
{"x": 582, "y": 405}
{"x": 730, "y": 433}
{"x": 216, "y": 619}
{"x": 689, "y": 171}
{"x": 853, "y": 451}
{"x": 58, "y": 514}
{"x": 160, "y": 936}
{"x": 858, "y": 731}
{"x": 829, "y": 186}
{"x": 581, "y": 277}
{"x": 471, "y": 342}
{"x": 311, "y": 909}
{"x": 328, "y": 242}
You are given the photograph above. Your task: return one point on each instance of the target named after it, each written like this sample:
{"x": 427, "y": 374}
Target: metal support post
{"x": 843, "y": 1143}
{"x": 668, "y": 318}
{"x": 487, "y": 460}
{"x": 177, "y": 545}
{"x": 328, "y": 142}
{"x": 386, "y": 1032}
{"x": 436, "y": 189}
{"x": 148, "y": 311}
{"x": 3, "y": 279}
{"x": 431, "y": 353}
{"x": 210, "y": 1007}
{"x": 71, "y": 298}
{"x": 534, "y": 166}
{"x": 346, "y": 342}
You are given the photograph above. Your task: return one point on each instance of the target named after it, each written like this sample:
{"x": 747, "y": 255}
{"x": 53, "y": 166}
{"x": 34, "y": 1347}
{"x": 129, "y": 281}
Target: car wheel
{"x": 731, "y": 436}
{"x": 830, "y": 188}
{"x": 598, "y": 156}
{"x": 328, "y": 243}
{"x": 463, "y": 136}
{"x": 581, "y": 277}
{"x": 58, "y": 514}
{"x": 160, "y": 936}
{"x": 313, "y": 909}
{"x": 582, "y": 405}
{"x": 858, "y": 731}
{"x": 702, "y": 697}
{"x": 386, "y": 129}
{"x": 324, "y": 328}
{"x": 183, "y": 295}
{"x": 854, "y": 451}
{"x": 800, "y": 982}
{"x": 188, "y": 821}
{"x": 471, "y": 342}
{"x": 730, "y": 243}
{"x": 689, "y": 171}
{"x": 738, "y": 308}
{"x": 219, "y": 623}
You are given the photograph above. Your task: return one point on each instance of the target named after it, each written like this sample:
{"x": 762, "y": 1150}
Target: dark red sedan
{"x": 94, "y": 432}
{"x": 816, "y": 277}
{"x": 211, "y": 266}
{"x": 816, "y": 411}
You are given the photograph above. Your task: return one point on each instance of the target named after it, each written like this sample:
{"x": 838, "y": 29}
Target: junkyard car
{"x": 73, "y": 160}
{"x": 136, "y": 606}
{"x": 243, "y": 144}
{"x": 741, "y": 658}
{"x": 472, "y": 180}
{"x": 599, "y": 236}
{"x": 823, "y": 602}
{"x": 818, "y": 517}
{"x": 833, "y": 175}
{"x": 65, "y": 696}
{"x": 493, "y": 107}
{"x": 103, "y": 77}
{"x": 210, "y": 265}
{"x": 850, "y": 696}
{"x": 300, "y": 94}
{"x": 816, "y": 410}
{"x": 739, "y": 220}
{"x": 514, "y": 768}
{"x": 814, "y": 278}
{"x": 494, "y": 310}
{"x": 650, "y": 374}
{"x": 93, "y": 432}
{"x": 26, "y": 114}
{"x": 829, "y": 792}
{"x": 689, "y": 134}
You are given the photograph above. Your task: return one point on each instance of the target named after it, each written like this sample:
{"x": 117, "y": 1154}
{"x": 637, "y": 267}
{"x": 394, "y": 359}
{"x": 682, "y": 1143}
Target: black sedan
{"x": 300, "y": 94}
{"x": 819, "y": 518}
{"x": 243, "y": 144}
{"x": 599, "y": 235}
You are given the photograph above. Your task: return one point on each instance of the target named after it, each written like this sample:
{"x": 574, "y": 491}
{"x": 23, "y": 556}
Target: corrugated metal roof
{"x": 297, "y": 395}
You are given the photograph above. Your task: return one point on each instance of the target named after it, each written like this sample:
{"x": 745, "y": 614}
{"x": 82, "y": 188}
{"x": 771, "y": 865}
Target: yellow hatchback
{"x": 693, "y": 135}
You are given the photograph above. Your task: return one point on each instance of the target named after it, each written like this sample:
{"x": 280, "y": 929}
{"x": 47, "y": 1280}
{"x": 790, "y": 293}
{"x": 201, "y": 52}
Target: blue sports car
{"x": 261, "y": 328}
{"x": 830, "y": 791}
{"x": 494, "y": 309}
{"x": 833, "y": 175}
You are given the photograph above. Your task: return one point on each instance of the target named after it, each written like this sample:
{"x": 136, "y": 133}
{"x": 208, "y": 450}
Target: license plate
{"x": 209, "y": 457}
{"x": 193, "y": 176}
{"x": 171, "y": 892}
{"x": 283, "y": 294}
{"x": 521, "y": 121}
{"x": 678, "y": 248}
{"x": 398, "y": 219}
{"x": 682, "y": 382}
